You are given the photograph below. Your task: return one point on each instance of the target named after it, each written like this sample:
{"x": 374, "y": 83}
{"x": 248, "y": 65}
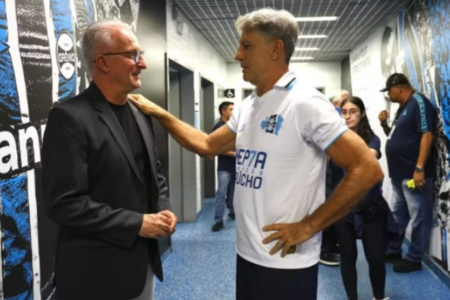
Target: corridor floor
{"x": 202, "y": 267}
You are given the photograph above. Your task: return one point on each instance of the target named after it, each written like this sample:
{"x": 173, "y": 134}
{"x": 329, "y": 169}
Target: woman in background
{"x": 366, "y": 222}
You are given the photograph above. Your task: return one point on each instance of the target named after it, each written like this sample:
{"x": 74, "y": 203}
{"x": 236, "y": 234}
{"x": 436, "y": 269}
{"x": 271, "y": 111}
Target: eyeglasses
{"x": 349, "y": 112}
{"x": 136, "y": 55}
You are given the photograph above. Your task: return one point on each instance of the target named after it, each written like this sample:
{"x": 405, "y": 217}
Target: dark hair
{"x": 364, "y": 130}
{"x": 224, "y": 105}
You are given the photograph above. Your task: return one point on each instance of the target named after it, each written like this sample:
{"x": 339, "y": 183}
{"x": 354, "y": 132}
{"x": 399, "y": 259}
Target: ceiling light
{"x": 319, "y": 36}
{"x": 302, "y": 58}
{"x": 307, "y": 49}
{"x": 315, "y": 19}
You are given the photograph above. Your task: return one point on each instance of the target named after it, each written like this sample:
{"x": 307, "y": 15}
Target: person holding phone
{"x": 409, "y": 156}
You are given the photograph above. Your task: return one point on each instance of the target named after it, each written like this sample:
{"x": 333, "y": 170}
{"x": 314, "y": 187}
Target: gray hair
{"x": 273, "y": 24}
{"x": 97, "y": 34}
{"x": 337, "y": 96}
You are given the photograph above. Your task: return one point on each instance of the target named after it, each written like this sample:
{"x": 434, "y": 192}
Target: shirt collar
{"x": 285, "y": 82}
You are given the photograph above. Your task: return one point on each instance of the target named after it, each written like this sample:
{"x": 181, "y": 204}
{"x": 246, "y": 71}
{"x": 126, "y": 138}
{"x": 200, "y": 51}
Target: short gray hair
{"x": 273, "y": 24}
{"x": 337, "y": 95}
{"x": 97, "y": 34}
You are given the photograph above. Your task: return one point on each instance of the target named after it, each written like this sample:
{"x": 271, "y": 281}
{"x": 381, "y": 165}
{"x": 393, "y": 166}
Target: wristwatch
{"x": 419, "y": 169}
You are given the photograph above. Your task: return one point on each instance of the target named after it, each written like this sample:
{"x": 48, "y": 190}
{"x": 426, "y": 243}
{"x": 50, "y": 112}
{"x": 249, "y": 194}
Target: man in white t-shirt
{"x": 282, "y": 134}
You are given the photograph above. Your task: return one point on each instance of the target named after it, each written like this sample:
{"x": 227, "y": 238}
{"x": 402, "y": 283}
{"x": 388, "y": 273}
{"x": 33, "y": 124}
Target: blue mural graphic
{"x": 9, "y": 100}
{"x": 16, "y": 254}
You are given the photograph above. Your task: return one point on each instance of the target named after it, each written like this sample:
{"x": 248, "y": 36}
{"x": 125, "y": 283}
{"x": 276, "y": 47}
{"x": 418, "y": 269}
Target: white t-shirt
{"x": 280, "y": 167}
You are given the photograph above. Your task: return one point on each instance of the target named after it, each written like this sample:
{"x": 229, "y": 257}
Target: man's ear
{"x": 278, "y": 49}
{"x": 102, "y": 64}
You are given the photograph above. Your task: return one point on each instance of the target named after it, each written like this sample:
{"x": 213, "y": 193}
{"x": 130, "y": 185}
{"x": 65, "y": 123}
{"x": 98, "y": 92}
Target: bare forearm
{"x": 425, "y": 147}
{"x": 230, "y": 153}
{"x": 386, "y": 129}
{"x": 356, "y": 183}
{"x": 186, "y": 135}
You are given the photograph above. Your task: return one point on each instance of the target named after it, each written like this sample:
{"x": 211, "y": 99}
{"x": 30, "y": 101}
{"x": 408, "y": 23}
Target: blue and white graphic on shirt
{"x": 250, "y": 168}
{"x": 272, "y": 124}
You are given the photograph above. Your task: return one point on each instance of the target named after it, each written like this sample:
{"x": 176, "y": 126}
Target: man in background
{"x": 409, "y": 157}
{"x": 338, "y": 97}
{"x": 226, "y": 173}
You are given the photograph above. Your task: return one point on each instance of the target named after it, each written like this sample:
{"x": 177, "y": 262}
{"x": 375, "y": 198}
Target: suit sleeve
{"x": 66, "y": 185}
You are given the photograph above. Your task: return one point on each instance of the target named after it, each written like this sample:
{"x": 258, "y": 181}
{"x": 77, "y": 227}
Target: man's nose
{"x": 238, "y": 55}
{"x": 141, "y": 64}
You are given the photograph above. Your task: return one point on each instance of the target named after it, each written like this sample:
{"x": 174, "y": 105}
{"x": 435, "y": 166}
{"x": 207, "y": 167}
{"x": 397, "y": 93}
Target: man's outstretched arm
{"x": 220, "y": 141}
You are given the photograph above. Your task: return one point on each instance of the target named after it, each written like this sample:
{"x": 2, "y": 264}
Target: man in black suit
{"x": 101, "y": 178}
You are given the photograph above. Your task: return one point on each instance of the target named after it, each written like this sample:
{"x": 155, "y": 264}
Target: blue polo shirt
{"x": 416, "y": 117}
{"x": 225, "y": 162}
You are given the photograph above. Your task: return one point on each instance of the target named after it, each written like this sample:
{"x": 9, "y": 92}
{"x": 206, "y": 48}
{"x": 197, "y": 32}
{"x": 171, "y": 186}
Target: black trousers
{"x": 374, "y": 247}
{"x": 254, "y": 282}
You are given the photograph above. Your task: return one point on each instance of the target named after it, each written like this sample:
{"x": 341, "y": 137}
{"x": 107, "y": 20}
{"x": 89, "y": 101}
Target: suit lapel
{"x": 108, "y": 117}
{"x": 145, "y": 133}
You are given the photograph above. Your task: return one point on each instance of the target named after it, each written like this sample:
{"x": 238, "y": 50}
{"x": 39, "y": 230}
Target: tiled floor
{"x": 202, "y": 267}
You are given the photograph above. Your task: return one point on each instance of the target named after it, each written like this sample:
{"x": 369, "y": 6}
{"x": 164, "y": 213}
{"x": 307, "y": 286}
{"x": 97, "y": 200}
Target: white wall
{"x": 193, "y": 51}
{"x": 317, "y": 74}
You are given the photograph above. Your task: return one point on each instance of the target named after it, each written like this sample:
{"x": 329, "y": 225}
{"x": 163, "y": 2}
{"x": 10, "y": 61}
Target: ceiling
{"x": 357, "y": 20}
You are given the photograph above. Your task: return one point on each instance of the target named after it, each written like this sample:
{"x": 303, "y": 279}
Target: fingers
{"x": 273, "y": 227}
{"x": 282, "y": 245}
{"x": 278, "y": 246}
{"x": 172, "y": 218}
{"x": 165, "y": 219}
{"x": 383, "y": 115}
{"x": 272, "y": 237}
{"x": 159, "y": 226}
{"x": 164, "y": 227}
{"x": 133, "y": 97}
{"x": 419, "y": 184}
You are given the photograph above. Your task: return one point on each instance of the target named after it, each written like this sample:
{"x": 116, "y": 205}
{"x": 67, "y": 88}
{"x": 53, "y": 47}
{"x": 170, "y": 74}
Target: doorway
{"x": 182, "y": 166}
{"x": 207, "y": 166}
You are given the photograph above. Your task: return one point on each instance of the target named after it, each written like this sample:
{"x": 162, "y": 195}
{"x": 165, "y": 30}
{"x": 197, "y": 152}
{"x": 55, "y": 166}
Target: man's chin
{"x": 136, "y": 84}
{"x": 245, "y": 78}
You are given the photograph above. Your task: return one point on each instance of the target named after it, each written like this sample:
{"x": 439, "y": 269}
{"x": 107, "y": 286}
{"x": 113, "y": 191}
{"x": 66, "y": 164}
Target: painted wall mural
{"x": 416, "y": 43}
{"x": 40, "y": 63}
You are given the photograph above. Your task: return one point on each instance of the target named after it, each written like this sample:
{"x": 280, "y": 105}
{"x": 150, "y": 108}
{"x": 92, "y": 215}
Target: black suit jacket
{"x": 93, "y": 190}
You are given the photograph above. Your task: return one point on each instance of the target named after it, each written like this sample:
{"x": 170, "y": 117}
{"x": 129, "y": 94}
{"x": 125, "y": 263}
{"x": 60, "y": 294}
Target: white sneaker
{"x": 387, "y": 298}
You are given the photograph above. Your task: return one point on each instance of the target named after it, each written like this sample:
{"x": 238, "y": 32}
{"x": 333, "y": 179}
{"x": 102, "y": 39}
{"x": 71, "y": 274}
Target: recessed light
{"x": 318, "y": 36}
{"x": 307, "y": 49}
{"x": 302, "y": 58}
{"x": 315, "y": 19}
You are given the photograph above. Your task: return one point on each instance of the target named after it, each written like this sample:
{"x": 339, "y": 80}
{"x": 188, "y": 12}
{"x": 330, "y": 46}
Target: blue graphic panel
{"x": 16, "y": 254}
{"x": 439, "y": 18}
{"x": 9, "y": 100}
